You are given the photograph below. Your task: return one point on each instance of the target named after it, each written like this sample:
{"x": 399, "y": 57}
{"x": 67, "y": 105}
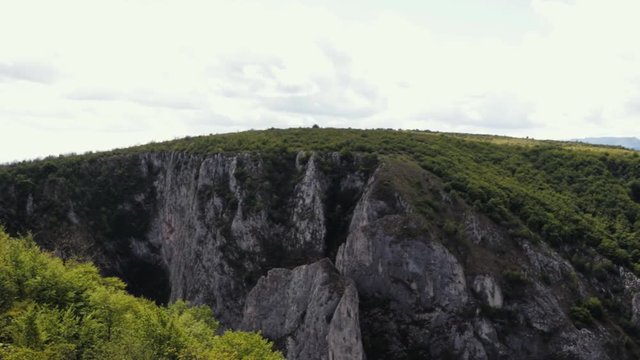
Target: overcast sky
{"x": 78, "y": 75}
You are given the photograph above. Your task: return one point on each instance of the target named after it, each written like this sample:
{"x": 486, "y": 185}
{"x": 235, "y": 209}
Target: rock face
{"x": 344, "y": 339}
{"x": 488, "y": 290}
{"x": 220, "y": 228}
{"x": 310, "y": 311}
{"x": 430, "y": 290}
{"x": 419, "y": 274}
{"x": 308, "y": 215}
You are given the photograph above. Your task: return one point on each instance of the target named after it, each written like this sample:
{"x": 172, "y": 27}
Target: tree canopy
{"x": 50, "y": 309}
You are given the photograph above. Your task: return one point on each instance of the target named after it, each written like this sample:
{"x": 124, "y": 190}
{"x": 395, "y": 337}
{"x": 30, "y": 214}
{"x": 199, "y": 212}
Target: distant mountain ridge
{"x": 628, "y": 142}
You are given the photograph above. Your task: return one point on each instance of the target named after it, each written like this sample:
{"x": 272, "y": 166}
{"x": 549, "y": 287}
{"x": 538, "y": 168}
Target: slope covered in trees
{"x": 552, "y": 226}
{"x": 585, "y": 197}
{"x": 50, "y": 309}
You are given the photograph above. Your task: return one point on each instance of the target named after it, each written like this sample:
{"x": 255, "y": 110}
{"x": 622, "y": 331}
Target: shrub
{"x": 514, "y": 278}
{"x": 594, "y": 305}
{"x": 580, "y": 316}
{"x": 451, "y": 228}
{"x": 584, "y": 314}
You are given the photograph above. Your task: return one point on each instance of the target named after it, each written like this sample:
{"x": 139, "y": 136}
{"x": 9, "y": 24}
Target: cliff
{"x": 333, "y": 255}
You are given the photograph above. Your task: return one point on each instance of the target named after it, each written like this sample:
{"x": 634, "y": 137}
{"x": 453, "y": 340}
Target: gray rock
{"x": 486, "y": 332}
{"x": 189, "y": 229}
{"x": 479, "y": 231}
{"x": 411, "y": 271}
{"x": 542, "y": 310}
{"x": 581, "y": 344}
{"x": 395, "y": 260}
{"x": 543, "y": 260}
{"x": 488, "y": 290}
{"x": 635, "y": 309}
{"x": 344, "y": 339}
{"x": 310, "y": 311}
{"x": 631, "y": 286}
{"x": 466, "y": 346}
{"x": 308, "y": 214}
{"x": 217, "y": 224}
{"x": 29, "y": 205}
{"x": 215, "y": 227}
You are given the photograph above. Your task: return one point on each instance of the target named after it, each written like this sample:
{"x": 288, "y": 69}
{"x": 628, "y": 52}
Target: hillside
{"x": 393, "y": 244}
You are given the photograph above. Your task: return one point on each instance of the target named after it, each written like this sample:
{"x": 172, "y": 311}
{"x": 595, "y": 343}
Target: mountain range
{"x": 627, "y": 142}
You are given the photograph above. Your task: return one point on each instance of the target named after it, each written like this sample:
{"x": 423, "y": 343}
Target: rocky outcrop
{"x": 396, "y": 260}
{"x": 310, "y": 311}
{"x": 309, "y": 225}
{"x": 344, "y": 339}
{"x": 220, "y": 228}
{"x": 635, "y": 309}
{"x": 435, "y": 290}
{"x": 488, "y": 290}
{"x": 418, "y": 272}
{"x": 200, "y": 208}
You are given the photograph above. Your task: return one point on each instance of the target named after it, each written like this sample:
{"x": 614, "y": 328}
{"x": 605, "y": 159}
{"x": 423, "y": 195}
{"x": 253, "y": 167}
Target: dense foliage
{"x": 50, "y": 309}
{"x": 567, "y": 194}
{"x": 582, "y": 199}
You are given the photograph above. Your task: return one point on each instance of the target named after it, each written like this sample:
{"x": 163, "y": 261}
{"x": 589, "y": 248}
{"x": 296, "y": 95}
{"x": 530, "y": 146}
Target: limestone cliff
{"x": 310, "y": 311}
{"x": 418, "y": 274}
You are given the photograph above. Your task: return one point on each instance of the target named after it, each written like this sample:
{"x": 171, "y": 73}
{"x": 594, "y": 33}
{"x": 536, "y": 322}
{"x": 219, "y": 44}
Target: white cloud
{"x": 29, "y": 71}
{"x": 153, "y": 70}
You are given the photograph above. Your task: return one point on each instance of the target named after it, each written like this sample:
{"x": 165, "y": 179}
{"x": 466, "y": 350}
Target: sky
{"x": 80, "y": 75}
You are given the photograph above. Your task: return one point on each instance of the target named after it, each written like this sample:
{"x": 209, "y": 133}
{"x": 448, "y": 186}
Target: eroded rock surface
{"x": 310, "y": 311}
{"x": 486, "y": 287}
{"x": 419, "y": 273}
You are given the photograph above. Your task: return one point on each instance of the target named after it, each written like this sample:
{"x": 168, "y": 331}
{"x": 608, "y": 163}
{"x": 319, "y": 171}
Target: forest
{"x": 580, "y": 200}
{"x": 55, "y": 310}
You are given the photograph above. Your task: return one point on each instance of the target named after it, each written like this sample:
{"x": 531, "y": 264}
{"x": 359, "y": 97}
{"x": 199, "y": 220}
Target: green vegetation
{"x": 594, "y": 305}
{"x": 580, "y": 316}
{"x": 514, "y": 278}
{"x": 514, "y": 283}
{"x": 582, "y": 199}
{"x": 584, "y": 314}
{"x": 51, "y": 310}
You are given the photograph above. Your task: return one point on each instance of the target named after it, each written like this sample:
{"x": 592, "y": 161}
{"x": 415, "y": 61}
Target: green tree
{"x": 57, "y": 311}
{"x": 235, "y": 345}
